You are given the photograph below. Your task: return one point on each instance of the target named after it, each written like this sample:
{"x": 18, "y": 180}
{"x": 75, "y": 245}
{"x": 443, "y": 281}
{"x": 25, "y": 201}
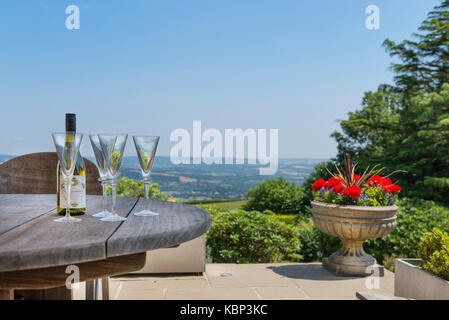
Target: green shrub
{"x": 415, "y": 217}
{"x": 434, "y": 251}
{"x": 135, "y": 189}
{"x": 287, "y": 218}
{"x": 388, "y": 260}
{"x": 238, "y": 236}
{"x": 277, "y": 195}
{"x": 309, "y": 236}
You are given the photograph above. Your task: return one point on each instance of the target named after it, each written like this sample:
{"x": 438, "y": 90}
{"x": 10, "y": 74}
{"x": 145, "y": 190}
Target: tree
{"x": 424, "y": 63}
{"x": 406, "y": 125}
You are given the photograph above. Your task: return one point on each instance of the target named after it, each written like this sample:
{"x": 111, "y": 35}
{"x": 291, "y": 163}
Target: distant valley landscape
{"x": 201, "y": 181}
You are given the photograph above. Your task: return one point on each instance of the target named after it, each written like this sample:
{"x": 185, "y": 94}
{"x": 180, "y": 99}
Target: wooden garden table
{"x": 35, "y": 251}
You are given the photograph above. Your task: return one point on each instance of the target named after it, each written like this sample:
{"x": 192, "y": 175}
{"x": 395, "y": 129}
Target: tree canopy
{"x": 405, "y": 126}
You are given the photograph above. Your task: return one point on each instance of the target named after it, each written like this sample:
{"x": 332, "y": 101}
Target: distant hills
{"x": 201, "y": 181}
{"x": 4, "y": 157}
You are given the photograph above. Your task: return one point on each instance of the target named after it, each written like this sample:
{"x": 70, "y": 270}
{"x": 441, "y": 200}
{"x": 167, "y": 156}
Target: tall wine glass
{"x": 113, "y": 146}
{"x": 102, "y": 170}
{"x": 67, "y": 146}
{"x": 146, "y": 151}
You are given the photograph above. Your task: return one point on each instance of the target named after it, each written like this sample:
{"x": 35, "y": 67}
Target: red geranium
{"x": 345, "y": 186}
{"x": 320, "y": 183}
{"x": 353, "y": 192}
{"x": 386, "y": 182}
{"x": 334, "y": 181}
{"x": 356, "y": 177}
{"x": 395, "y": 189}
{"x": 375, "y": 181}
{"x": 338, "y": 188}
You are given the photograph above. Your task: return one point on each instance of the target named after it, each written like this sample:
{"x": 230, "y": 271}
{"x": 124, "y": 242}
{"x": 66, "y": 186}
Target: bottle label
{"x": 77, "y": 193}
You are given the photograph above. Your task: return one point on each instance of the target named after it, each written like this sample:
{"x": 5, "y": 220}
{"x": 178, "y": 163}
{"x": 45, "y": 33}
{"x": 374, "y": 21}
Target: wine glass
{"x": 102, "y": 170}
{"x": 67, "y": 146}
{"x": 113, "y": 146}
{"x": 146, "y": 151}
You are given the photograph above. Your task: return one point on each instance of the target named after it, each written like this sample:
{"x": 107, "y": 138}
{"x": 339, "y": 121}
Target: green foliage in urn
{"x": 434, "y": 251}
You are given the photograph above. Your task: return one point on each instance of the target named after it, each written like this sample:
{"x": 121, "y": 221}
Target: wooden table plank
{"x": 175, "y": 224}
{"x": 16, "y": 210}
{"x": 54, "y": 277}
{"x": 43, "y": 243}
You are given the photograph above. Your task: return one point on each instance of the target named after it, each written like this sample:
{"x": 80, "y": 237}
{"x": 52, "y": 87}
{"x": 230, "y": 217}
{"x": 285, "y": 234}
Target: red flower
{"x": 334, "y": 181}
{"x": 338, "y": 188}
{"x": 320, "y": 183}
{"x": 386, "y": 182}
{"x": 375, "y": 181}
{"x": 356, "y": 177}
{"x": 393, "y": 189}
{"x": 353, "y": 192}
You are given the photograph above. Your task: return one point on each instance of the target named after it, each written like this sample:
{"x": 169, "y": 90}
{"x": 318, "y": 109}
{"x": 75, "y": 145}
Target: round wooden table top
{"x": 30, "y": 239}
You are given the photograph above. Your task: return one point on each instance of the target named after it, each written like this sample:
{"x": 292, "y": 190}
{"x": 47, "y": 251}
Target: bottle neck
{"x": 70, "y": 122}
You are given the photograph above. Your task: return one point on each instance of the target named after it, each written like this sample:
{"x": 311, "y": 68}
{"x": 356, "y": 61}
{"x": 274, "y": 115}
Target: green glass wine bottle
{"x": 78, "y": 185}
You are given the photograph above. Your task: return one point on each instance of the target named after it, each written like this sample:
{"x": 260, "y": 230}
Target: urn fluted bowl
{"x": 353, "y": 225}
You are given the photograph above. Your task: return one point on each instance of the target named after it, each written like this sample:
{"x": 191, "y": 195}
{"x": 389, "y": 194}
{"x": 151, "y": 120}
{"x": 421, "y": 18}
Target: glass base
{"x": 146, "y": 213}
{"x": 113, "y": 218}
{"x": 102, "y": 214}
{"x": 68, "y": 219}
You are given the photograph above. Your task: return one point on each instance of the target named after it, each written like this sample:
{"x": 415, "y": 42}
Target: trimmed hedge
{"x": 415, "y": 218}
{"x": 240, "y": 236}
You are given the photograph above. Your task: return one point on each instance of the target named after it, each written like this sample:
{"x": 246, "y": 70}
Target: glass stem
{"x": 68, "y": 187}
{"x": 103, "y": 186}
{"x": 114, "y": 197}
{"x": 147, "y": 196}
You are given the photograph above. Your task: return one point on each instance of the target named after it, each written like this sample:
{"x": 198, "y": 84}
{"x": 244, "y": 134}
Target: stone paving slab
{"x": 276, "y": 293}
{"x": 247, "y": 281}
{"x": 212, "y": 294}
{"x": 157, "y": 294}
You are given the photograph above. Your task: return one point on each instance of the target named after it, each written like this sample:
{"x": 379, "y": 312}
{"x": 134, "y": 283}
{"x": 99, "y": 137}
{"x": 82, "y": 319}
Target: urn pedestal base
{"x": 352, "y": 261}
{"x": 342, "y": 270}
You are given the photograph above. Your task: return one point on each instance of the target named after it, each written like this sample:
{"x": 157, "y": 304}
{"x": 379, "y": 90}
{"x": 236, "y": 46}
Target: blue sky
{"x": 148, "y": 67}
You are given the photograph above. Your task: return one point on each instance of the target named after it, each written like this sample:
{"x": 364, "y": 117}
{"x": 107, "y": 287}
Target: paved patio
{"x": 245, "y": 281}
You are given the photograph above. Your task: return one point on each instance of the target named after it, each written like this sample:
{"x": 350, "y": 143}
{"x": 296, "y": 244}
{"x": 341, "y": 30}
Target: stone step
{"x": 370, "y": 295}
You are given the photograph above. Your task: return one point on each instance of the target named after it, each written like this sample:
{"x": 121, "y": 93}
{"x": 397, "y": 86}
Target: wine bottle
{"x": 78, "y": 185}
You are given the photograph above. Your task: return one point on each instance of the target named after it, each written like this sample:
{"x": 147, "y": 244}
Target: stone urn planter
{"x": 353, "y": 225}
